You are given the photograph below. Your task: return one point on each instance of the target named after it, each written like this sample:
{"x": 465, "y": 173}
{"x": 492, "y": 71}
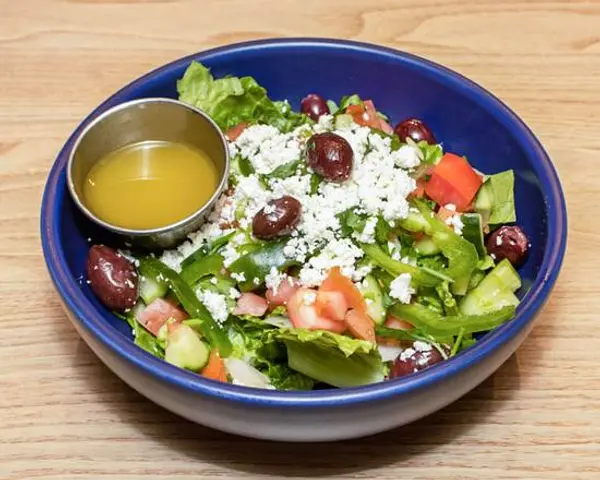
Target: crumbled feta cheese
{"x": 274, "y": 279}
{"x": 234, "y": 293}
{"x": 421, "y": 346}
{"x": 214, "y": 280}
{"x": 368, "y": 233}
{"x": 406, "y": 156}
{"x": 407, "y": 354}
{"x": 238, "y": 277}
{"x": 400, "y": 288}
{"x": 215, "y": 303}
{"x": 337, "y": 253}
{"x": 498, "y": 243}
{"x": 451, "y": 207}
{"x": 456, "y": 223}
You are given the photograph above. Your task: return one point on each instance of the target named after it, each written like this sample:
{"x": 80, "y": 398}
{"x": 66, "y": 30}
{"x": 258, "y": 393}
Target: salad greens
{"x": 377, "y": 259}
{"x": 232, "y": 100}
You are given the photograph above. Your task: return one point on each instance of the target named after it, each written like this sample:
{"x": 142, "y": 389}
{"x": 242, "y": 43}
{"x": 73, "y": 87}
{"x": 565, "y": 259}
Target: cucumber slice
{"x": 426, "y": 247}
{"x": 374, "y": 295}
{"x": 493, "y": 292}
{"x": 343, "y": 121}
{"x": 507, "y": 274}
{"x": 152, "y": 288}
{"x": 473, "y": 231}
{"x": 484, "y": 201}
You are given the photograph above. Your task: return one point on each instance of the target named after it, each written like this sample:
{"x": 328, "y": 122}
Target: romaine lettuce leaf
{"x": 231, "y": 100}
{"x": 334, "y": 359}
{"x": 503, "y": 206}
{"x": 255, "y": 342}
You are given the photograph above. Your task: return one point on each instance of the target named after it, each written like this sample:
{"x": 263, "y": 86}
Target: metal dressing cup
{"x": 148, "y": 119}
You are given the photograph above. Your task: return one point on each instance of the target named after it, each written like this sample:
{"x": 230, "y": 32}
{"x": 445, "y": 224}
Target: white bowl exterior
{"x": 302, "y": 424}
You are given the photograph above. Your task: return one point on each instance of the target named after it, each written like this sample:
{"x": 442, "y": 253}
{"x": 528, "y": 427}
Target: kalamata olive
{"x": 314, "y": 106}
{"x": 508, "y": 242}
{"x": 330, "y": 156}
{"x": 112, "y": 277}
{"x": 277, "y": 218}
{"x": 415, "y": 129}
{"x": 415, "y": 359}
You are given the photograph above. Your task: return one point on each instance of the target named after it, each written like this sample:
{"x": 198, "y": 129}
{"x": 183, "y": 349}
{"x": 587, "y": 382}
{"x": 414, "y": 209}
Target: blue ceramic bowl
{"x": 469, "y": 121}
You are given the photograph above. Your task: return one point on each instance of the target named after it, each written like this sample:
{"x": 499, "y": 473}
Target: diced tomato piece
{"x": 453, "y": 181}
{"x": 337, "y": 282}
{"x": 234, "y": 132}
{"x": 158, "y": 312}
{"x": 366, "y": 115}
{"x": 418, "y": 235}
{"x": 360, "y": 325}
{"x": 251, "y": 304}
{"x": 303, "y": 313}
{"x": 331, "y": 305}
{"x": 215, "y": 368}
{"x": 397, "y": 323}
{"x": 283, "y": 293}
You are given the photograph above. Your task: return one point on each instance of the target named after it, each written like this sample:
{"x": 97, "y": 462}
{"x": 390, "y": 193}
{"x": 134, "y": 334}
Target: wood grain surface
{"x": 63, "y": 415}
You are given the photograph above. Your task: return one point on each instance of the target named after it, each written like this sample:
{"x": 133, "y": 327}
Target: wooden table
{"x": 65, "y": 416}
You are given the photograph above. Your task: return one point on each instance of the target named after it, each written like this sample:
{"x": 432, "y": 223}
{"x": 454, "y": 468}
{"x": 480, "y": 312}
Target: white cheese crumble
{"x": 274, "y": 279}
{"x": 421, "y": 346}
{"x": 215, "y": 303}
{"x": 456, "y": 223}
{"x": 407, "y": 354}
{"x": 400, "y": 288}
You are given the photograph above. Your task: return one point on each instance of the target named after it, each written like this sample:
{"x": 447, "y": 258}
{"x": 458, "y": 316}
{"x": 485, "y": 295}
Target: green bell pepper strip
{"x": 461, "y": 254}
{"x": 420, "y": 276}
{"x": 215, "y": 334}
{"x": 436, "y": 325}
{"x": 258, "y": 263}
{"x": 209, "y": 265}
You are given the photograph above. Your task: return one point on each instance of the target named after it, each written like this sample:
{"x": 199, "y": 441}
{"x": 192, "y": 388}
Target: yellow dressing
{"x": 150, "y": 184}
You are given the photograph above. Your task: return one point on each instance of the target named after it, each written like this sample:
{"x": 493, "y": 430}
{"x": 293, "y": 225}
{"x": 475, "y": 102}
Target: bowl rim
{"x": 89, "y": 318}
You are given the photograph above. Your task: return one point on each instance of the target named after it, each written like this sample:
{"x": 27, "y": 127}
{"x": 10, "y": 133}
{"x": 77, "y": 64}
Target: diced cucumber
{"x": 473, "y": 231}
{"x": 460, "y": 285}
{"x": 475, "y": 279}
{"x": 493, "y": 292}
{"x": 426, "y": 247}
{"x": 507, "y": 274}
{"x": 374, "y": 295}
{"x": 185, "y": 349}
{"x": 415, "y": 222}
{"x": 151, "y": 289}
{"x": 152, "y": 286}
{"x": 343, "y": 121}
{"x": 484, "y": 201}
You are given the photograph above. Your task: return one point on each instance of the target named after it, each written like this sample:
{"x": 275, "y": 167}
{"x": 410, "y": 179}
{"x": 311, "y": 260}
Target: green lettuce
{"x": 255, "y": 342}
{"x": 503, "y": 206}
{"x": 334, "y": 359}
{"x": 231, "y": 100}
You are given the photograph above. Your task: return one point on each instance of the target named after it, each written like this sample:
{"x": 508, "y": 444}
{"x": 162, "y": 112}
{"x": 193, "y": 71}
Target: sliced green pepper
{"x": 421, "y": 277}
{"x": 210, "y": 328}
{"x": 257, "y": 264}
{"x": 209, "y": 265}
{"x": 434, "y": 324}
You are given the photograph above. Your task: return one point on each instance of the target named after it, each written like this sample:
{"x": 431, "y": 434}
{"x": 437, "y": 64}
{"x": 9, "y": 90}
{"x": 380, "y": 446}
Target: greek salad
{"x": 344, "y": 252}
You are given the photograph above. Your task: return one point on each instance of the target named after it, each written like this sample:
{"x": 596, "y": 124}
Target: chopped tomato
{"x": 285, "y": 290}
{"x": 453, "y": 181}
{"x": 303, "y": 313}
{"x": 331, "y": 305}
{"x": 251, "y": 304}
{"x": 366, "y": 115}
{"x": 360, "y": 325}
{"x": 337, "y": 282}
{"x": 234, "y": 132}
{"x": 158, "y": 312}
{"x": 397, "y": 323}
{"x": 215, "y": 368}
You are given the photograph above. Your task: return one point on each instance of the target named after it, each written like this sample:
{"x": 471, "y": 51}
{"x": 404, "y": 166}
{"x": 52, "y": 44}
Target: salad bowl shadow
{"x": 466, "y": 117}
